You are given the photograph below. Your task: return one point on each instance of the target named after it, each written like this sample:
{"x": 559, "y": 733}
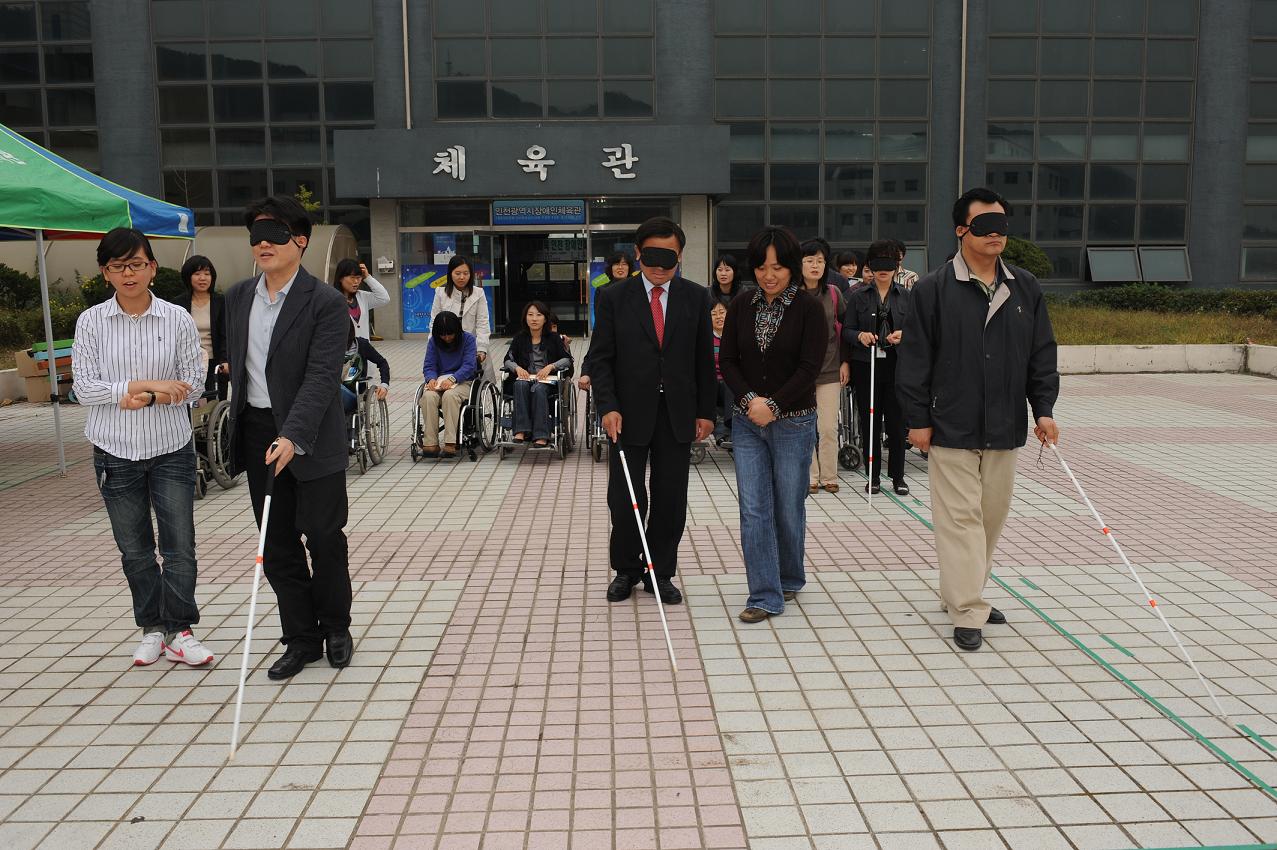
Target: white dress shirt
{"x": 111, "y": 349}
{"x": 261, "y": 325}
{"x": 648, "y": 286}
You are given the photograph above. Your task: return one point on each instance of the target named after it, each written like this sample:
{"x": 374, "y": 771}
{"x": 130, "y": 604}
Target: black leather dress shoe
{"x": 670, "y": 594}
{"x": 621, "y": 587}
{"x": 968, "y": 639}
{"x": 340, "y": 647}
{"x": 292, "y": 662}
{"x": 996, "y": 617}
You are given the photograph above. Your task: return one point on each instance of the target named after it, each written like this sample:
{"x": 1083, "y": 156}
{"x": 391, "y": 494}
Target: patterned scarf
{"x": 768, "y": 316}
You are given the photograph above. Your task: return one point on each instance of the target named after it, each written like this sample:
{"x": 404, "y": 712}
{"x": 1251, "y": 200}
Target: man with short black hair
{"x": 977, "y": 344}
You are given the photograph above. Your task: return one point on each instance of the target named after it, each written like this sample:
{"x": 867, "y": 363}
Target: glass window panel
{"x": 293, "y": 59}
{"x": 72, "y": 63}
{"x": 574, "y": 98}
{"x": 293, "y": 145}
{"x": 847, "y": 15}
{"x": 17, "y": 22}
{"x": 348, "y": 102}
{"x": 799, "y": 218}
{"x": 1061, "y": 182}
{"x": 795, "y": 142}
{"x": 460, "y": 57}
{"x": 238, "y": 104}
{"x": 516, "y": 16}
{"x": 849, "y": 225}
{"x": 795, "y": 182}
{"x": 740, "y": 55}
{"x": 291, "y": 18}
{"x": 1118, "y": 266}
{"x": 1013, "y": 16}
{"x": 347, "y": 59}
{"x": 1011, "y": 98}
{"x": 79, "y": 146}
{"x": 1165, "y": 142}
{"x": 183, "y": 105}
{"x": 1063, "y": 98}
{"x": 170, "y": 19}
{"x": 902, "y": 141}
{"x": 747, "y": 142}
{"x": 237, "y": 60}
{"x": 1119, "y": 16}
{"x": 458, "y": 16}
{"x": 1263, "y": 18}
{"x": 793, "y": 57}
{"x": 1165, "y": 265}
{"x": 1161, "y": 223}
{"x": 185, "y": 148}
{"x": 236, "y": 19}
{"x": 905, "y": 56}
{"x": 1173, "y": 17}
{"x": 849, "y": 98}
{"x": 1117, "y": 99}
{"x": 1177, "y": 59}
{"x": 1261, "y": 182}
{"x": 739, "y": 98}
{"x": 627, "y": 98}
{"x": 849, "y": 56}
{"x": 70, "y": 107}
{"x": 1066, "y": 263}
{"x": 1013, "y": 182}
{"x": 294, "y": 102}
{"x": 1114, "y": 141}
{"x": 1263, "y": 100}
{"x": 903, "y": 97}
{"x": 1062, "y": 141}
{"x": 1168, "y": 100}
{"x": 19, "y": 65}
{"x": 516, "y": 99}
{"x": 795, "y": 16}
{"x": 904, "y": 15}
{"x": 516, "y": 57}
{"x": 237, "y": 188}
{"x": 1013, "y": 56}
{"x": 290, "y": 181}
{"x": 1263, "y": 58}
{"x": 571, "y": 56}
{"x": 738, "y": 223}
{"x": 747, "y": 182}
{"x": 902, "y": 182}
{"x": 1010, "y": 141}
{"x": 1119, "y": 57}
{"x": 1259, "y": 262}
{"x": 241, "y": 146}
{"x": 1058, "y": 222}
{"x": 740, "y": 16}
{"x": 627, "y": 56}
{"x": 849, "y": 141}
{"x": 1066, "y": 57}
{"x": 461, "y": 99}
{"x": 627, "y": 15}
{"x": 189, "y": 188}
{"x": 346, "y": 17}
{"x": 1165, "y": 182}
{"x": 849, "y": 183}
{"x": 1261, "y": 143}
{"x": 1260, "y": 222}
{"x": 65, "y": 21}
{"x": 1066, "y": 17}
{"x": 1019, "y": 225}
{"x": 571, "y": 16}
{"x": 794, "y": 98}
{"x": 1112, "y": 182}
{"x": 180, "y": 62}
{"x": 905, "y": 223}
{"x": 1111, "y": 223}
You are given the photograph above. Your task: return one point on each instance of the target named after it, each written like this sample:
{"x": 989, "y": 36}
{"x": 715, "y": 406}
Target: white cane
{"x": 252, "y": 605}
{"x": 647, "y": 556}
{"x": 869, "y": 445}
{"x": 1117, "y": 547}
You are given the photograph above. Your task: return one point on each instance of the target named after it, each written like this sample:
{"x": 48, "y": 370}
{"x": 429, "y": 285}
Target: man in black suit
{"x": 651, "y": 361}
{"x": 287, "y": 335}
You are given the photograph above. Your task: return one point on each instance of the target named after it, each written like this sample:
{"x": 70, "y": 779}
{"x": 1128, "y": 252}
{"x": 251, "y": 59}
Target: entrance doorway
{"x": 552, "y": 268}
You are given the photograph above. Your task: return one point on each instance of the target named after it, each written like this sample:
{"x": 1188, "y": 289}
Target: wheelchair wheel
{"x": 376, "y": 425}
{"x": 698, "y": 454}
{"x": 219, "y": 445}
{"x": 416, "y": 453}
{"x": 569, "y": 418}
{"x": 849, "y": 458}
{"x": 201, "y": 484}
{"x": 361, "y": 458}
{"x": 488, "y": 416}
{"x": 597, "y": 451}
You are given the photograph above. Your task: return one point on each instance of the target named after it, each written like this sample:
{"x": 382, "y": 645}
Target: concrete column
{"x": 684, "y": 31}
{"x": 976, "y": 103}
{"x": 946, "y": 91}
{"x": 1215, "y": 214}
{"x": 421, "y": 53}
{"x": 383, "y": 217}
{"x": 694, "y": 218}
{"x": 388, "y": 69}
{"x": 124, "y": 83}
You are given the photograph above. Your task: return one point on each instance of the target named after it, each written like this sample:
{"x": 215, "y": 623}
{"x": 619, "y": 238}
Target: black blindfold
{"x": 269, "y": 230}
{"x": 989, "y": 223}
{"x": 882, "y": 264}
{"x": 661, "y": 258}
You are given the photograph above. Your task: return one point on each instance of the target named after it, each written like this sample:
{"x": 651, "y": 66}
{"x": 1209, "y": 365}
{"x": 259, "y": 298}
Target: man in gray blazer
{"x": 287, "y": 335}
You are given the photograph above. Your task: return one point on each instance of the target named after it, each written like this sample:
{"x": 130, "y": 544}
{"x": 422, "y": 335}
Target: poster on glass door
{"x": 419, "y": 285}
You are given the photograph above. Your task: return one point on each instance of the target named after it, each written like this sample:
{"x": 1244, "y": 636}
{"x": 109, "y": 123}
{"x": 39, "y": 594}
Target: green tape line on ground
{"x": 1120, "y": 676}
{"x": 1028, "y": 583}
{"x": 1118, "y": 646}
{"x": 1259, "y": 739}
{"x": 1226, "y": 847}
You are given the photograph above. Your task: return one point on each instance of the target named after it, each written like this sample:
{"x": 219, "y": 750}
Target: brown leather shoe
{"x": 815, "y": 488}
{"x": 754, "y": 615}
{"x": 831, "y": 488}
{"x": 791, "y": 595}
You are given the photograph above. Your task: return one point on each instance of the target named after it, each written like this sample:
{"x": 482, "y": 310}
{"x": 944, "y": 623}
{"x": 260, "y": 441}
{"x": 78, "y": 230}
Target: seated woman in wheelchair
{"x": 536, "y": 354}
{"x": 451, "y": 364}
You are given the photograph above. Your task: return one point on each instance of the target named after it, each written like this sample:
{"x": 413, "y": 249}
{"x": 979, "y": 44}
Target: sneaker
{"x": 148, "y": 651}
{"x": 187, "y": 650}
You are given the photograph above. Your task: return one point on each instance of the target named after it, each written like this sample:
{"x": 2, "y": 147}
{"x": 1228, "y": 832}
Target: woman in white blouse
{"x": 461, "y": 294}
{"x": 204, "y": 303}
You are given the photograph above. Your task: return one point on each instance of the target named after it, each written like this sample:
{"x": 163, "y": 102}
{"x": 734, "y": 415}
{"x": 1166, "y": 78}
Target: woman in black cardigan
{"x": 772, "y": 350}
{"x": 205, "y": 304}
{"x": 536, "y": 354}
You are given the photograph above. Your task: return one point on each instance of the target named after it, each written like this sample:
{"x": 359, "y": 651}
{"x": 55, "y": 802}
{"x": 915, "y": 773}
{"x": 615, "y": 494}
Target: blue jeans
{"x": 163, "y": 598}
{"x": 772, "y": 468}
{"x": 532, "y": 409}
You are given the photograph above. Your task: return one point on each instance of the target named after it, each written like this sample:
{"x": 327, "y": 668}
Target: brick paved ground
{"x": 498, "y": 701}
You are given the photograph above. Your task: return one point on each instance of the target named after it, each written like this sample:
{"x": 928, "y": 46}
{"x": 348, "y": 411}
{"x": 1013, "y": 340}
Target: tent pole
{"x": 48, "y": 338}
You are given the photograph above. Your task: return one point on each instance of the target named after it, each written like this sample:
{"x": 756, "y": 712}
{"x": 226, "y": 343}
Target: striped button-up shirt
{"x": 111, "y": 349}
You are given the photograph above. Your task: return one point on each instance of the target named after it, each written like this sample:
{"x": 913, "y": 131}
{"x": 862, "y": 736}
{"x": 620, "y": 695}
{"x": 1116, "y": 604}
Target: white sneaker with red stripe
{"x": 148, "y": 651}
{"x": 185, "y": 649}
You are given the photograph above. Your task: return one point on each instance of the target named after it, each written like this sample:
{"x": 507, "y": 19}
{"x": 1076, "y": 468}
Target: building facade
{"x": 1137, "y": 139}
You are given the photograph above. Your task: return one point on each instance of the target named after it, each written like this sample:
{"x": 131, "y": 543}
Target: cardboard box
{"x": 29, "y": 367}
{"x": 38, "y": 387}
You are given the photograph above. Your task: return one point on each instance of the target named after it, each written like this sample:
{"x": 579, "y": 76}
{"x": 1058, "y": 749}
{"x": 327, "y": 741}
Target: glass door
{"x": 424, "y": 257}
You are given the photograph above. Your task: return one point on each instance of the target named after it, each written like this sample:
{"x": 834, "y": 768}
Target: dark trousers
{"x": 726, "y": 403}
{"x": 215, "y": 383}
{"x": 532, "y": 409}
{"x": 671, "y": 462}
{"x": 889, "y": 422}
{"x": 372, "y": 355}
{"x": 314, "y": 600}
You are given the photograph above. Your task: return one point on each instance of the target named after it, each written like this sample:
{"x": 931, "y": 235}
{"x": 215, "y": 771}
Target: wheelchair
{"x": 210, "y": 428}
{"x": 368, "y": 425}
{"x": 850, "y": 456}
{"x": 596, "y": 438}
{"x": 563, "y": 424}
{"x": 477, "y": 427}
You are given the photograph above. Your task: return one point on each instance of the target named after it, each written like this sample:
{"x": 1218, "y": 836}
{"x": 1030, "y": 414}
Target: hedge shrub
{"x": 1166, "y": 299}
{"x": 1026, "y": 255}
{"x": 18, "y": 291}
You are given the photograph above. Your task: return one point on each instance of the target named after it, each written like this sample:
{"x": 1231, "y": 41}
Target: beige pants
{"x": 451, "y": 401}
{"x": 824, "y": 461}
{"x": 970, "y": 499}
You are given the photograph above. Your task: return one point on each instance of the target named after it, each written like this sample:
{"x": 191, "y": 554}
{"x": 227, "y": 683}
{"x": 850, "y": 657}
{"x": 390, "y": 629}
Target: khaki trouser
{"x": 970, "y": 499}
{"x": 452, "y": 401}
{"x": 824, "y": 461}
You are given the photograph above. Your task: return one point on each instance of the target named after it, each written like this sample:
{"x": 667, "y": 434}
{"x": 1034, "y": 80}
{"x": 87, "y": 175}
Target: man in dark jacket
{"x": 977, "y": 344}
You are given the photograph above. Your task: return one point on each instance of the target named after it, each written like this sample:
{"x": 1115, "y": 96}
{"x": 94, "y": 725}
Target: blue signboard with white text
{"x": 534, "y": 211}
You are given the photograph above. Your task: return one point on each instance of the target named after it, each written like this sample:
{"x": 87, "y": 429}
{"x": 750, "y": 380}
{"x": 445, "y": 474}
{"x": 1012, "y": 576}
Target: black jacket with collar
{"x": 966, "y": 366}
{"x": 862, "y": 308}
{"x": 303, "y": 371}
{"x": 521, "y": 348}
{"x": 217, "y": 315}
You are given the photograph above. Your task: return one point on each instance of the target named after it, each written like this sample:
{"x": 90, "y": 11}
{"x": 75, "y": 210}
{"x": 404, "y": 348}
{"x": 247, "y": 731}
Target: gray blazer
{"x": 303, "y": 372}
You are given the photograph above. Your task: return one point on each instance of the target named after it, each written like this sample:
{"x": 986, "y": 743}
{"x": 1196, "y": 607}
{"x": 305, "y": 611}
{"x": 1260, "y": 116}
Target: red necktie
{"x": 658, "y": 316}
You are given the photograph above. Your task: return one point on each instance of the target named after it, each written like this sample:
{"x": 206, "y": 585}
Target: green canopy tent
{"x": 43, "y": 196}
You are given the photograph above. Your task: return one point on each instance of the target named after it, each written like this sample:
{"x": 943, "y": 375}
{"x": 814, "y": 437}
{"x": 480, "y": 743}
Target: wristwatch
{"x": 151, "y": 402}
